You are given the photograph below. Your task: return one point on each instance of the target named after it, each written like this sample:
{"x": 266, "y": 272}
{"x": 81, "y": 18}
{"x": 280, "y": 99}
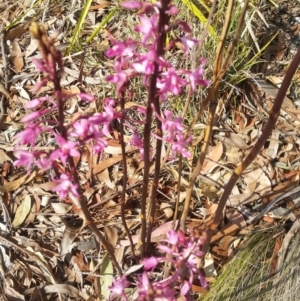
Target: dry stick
{"x": 235, "y": 40}
{"x": 201, "y": 40}
{"x": 5, "y": 67}
{"x": 256, "y": 149}
{"x": 285, "y": 244}
{"x": 154, "y": 184}
{"x": 163, "y": 21}
{"x": 225, "y": 66}
{"x": 212, "y": 110}
{"x": 197, "y": 168}
{"x": 123, "y": 195}
{"x": 52, "y": 57}
{"x": 185, "y": 109}
{"x": 208, "y": 22}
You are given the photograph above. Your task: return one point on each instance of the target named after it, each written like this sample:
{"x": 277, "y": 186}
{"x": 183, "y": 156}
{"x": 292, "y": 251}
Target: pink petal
{"x": 172, "y": 237}
{"x": 86, "y": 97}
{"x": 150, "y": 263}
{"x": 131, "y": 4}
{"x": 34, "y": 115}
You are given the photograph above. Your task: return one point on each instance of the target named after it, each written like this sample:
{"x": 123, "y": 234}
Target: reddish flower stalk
{"x": 68, "y": 184}
{"x": 153, "y": 100}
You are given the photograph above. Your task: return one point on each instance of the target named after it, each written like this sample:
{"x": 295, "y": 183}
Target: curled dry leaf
{"x": 66, "y": 289}
{"x": 14, "y": 185}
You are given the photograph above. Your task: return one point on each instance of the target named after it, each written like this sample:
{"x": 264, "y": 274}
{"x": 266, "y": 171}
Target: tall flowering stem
{"x": 52, "y": 67}
{"x": 161, "y": 79}
{"x": 153, "y": 101}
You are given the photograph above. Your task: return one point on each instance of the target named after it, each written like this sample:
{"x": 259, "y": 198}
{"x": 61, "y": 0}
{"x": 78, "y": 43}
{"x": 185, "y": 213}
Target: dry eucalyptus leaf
{"x": 47, "y": 186}
{"x": 12, "y": 294}
{"x": 213, "y": 156}
{"x": 111, "y": 235}
{"x": 106, "y": 163}
{"x": 66, "y": 289}
{"x": 31, "y": 216}
{"x": 80, "y": 261}
{"x": 22, "y": 212}
{"x": 209, "y": 268}
{"x": 17, "y": 57}
{"x": 157, "y": 234}
{"x": 61, "y": 208}
{"x": 133, "y": 269}
{"x": 235, "y": 217}
{"x": 240, "y": 199}
{"x": 238, "y": 141}
{"x": 4, "y": 157}
{"x": 104, "y": 177}
{"x": 106, "y": 271}
{"x": 165, "y": 207}
{"x": 33, "y": 46}
{"x": 16, "y": 33}
{"x": 4, "y": 91}
{"x": 259, "y": 177}
{"x": 23, "y": 93}
{"x": 131, "y": 105}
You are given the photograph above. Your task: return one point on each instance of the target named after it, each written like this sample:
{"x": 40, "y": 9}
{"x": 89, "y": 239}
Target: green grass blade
{"x": 101, "y": 25}
{"x": 79, "y": 25}
{"x": 16, "y": 21}
{"x": 258, "y": 54}
{"x": 194, "y": 6}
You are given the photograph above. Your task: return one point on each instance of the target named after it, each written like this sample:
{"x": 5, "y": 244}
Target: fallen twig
{"x": 285, "y": 244}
